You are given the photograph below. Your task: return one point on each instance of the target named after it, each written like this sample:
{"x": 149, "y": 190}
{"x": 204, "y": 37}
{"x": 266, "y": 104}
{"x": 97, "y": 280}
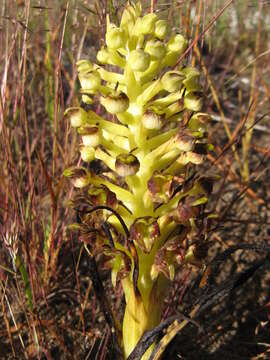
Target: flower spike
{"x": 150, "y": 137}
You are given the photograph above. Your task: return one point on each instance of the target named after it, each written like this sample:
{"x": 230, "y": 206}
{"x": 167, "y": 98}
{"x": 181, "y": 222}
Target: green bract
{"x": 150, "y": 141}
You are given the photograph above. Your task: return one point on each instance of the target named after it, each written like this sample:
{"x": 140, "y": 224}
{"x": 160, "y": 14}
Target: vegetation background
{"x": 48, "y": 306}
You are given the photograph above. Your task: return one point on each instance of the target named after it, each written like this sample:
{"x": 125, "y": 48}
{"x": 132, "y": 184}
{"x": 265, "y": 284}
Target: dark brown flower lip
{"x": 122, "y": 96}
{"x": 88, "y": 130}
{"x": 76, "y": 172}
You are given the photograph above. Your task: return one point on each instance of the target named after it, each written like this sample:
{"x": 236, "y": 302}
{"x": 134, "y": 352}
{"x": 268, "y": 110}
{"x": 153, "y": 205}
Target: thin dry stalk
{"x": 253, "y": 100}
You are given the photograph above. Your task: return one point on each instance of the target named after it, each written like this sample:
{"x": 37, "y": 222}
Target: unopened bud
{"x": 172, "y": 81}
{"x": 90, "y": 135}
{"x": 192, "y": 157}
{"x": 193, "y": 101}
{"x": 155, "y": 49}
{"x": 184, "y": 141}
{"x": 128, "y": 17}
{"x": 79, "y": 176}
{"x": 127, "y": 165}
{"x": 151, "y": 120}
{"x": 115, "y": 38}
{"x": 84, "y": 66}
{"x": 177, "y": 44}
{"x": 77, "y": 116}
{"x": 147, "y": 24}
{"x": 191, "y": 82}
{"x": 139, "y": 60}
{"x": 198, "y": 122}
{"x": 103, "y": 56}
{"x": 115, "y": 104}
{"x": 90, "y": 80}
{"x": 161, "y": 29}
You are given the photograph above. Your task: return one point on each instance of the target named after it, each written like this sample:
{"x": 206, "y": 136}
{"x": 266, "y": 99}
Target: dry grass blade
{"x": 171, "y": 332}
{"x": 199, "y": 36}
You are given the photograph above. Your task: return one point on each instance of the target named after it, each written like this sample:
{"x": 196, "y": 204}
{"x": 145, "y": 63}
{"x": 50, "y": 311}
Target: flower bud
{"x": 103, "y": 56}
{"x": 155, "y": 49}
{"x": 90, "y": 80}
{"x": 191, "y": 82}
{"x": 79, "y": 176}
{"x": 151, "y": 120}
{"x": 90, "y": 135}
{"x": 128, "y": 18}
{"x": 130, "y": 14}
{"x": 127, "y": 165}
{"x": 87, "y": 153}
{"x": 198, "y": 122}
{"x": 177, "y": 44}
{"x": 84, "y": 66}
{"x": 146, "y": 24}
{"x": 191, "y": 157}
{"x": 193, "y": 101}
{"x": 115, "y": 38}
{"x": 77, "y": 116}
{"x": 115, "y": 104}
{"x": 110, "y": 56}
{"x": 172, "y": 81}
{"x": 184, "y": 141}
{"x": 161, "y": 29}
{"x": 139, "y": 60}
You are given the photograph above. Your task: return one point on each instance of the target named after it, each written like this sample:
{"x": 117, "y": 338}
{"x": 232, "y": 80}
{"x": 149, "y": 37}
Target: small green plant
{"x": 151, "y": 138}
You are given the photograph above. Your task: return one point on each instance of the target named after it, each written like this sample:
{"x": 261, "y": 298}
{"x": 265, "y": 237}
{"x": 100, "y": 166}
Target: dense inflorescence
{"x": 150, "y": 136}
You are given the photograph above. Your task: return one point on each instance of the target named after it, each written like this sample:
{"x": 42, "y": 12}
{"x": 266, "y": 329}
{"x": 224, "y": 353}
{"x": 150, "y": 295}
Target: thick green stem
{"x": 140, "y": 316}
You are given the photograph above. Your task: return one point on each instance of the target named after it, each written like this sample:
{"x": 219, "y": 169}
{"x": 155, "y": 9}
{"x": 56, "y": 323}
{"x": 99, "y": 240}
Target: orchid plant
{"x": 150, "y": 137}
